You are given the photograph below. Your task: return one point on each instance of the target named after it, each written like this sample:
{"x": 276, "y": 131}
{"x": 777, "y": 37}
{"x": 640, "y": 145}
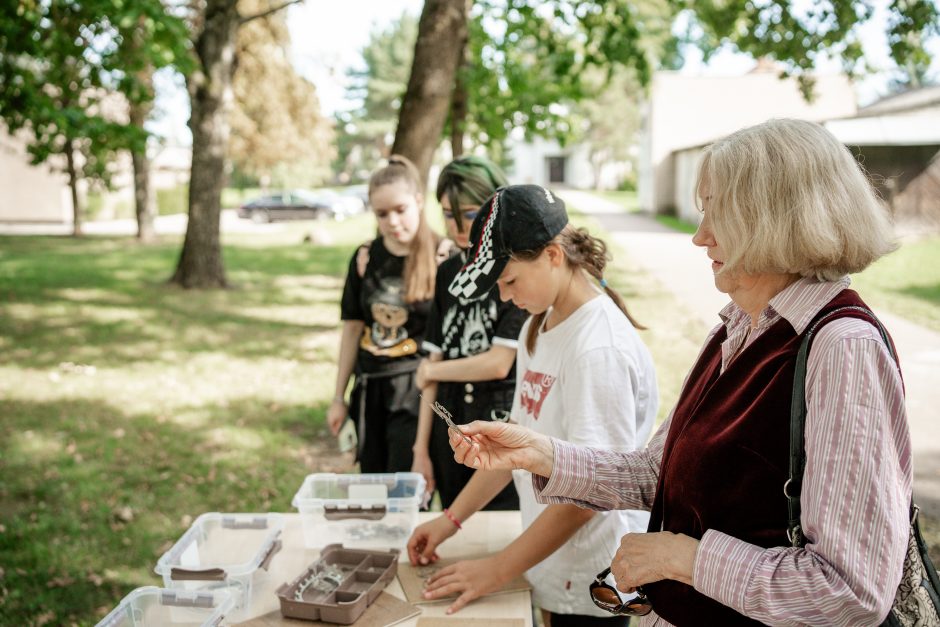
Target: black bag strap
{"x": 794, "y": 484}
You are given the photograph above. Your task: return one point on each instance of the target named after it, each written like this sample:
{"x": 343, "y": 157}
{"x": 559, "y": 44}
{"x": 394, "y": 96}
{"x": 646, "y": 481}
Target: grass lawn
{"x": 130, "y": 407}
{"x": 625, "y": 199}
{"x": 906, "y": 282}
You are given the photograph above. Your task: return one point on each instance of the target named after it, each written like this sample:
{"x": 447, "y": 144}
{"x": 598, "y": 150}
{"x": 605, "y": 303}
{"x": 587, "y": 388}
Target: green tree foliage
{"x": 608, "y": 122}
{"x": 365, "y": 134}
{"x": 542, "y": 49}
{"x": 796, "y": 34}
{"x": 278, "y": 133}
{"x": 526, "y": 58}
{"x": 68, "y": 71}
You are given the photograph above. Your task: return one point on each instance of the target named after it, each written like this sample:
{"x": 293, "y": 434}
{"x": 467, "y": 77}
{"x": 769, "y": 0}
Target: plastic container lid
{"x": 397, "y": 492}
{"x": 219, "y": 546}
{"x": 155, "y": 607}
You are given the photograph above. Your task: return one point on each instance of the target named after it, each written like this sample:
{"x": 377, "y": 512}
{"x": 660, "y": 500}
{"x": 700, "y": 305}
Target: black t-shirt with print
{"x": 394, "y": 330}
{"x": 459, "y": 327}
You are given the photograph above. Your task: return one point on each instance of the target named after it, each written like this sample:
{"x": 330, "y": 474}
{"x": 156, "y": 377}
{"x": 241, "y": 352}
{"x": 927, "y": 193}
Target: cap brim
{"x": 475, "y": 280}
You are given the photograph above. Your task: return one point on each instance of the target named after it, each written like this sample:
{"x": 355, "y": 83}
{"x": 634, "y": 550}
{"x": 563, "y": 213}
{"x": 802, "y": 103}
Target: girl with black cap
{"x": 584, "y": 376}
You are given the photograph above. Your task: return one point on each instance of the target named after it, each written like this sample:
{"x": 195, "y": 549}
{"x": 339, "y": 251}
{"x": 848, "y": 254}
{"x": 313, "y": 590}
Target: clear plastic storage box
{"x": 157, "y": 607}
{"x": 224, "y": 551}
{"x": 360, "y": 511}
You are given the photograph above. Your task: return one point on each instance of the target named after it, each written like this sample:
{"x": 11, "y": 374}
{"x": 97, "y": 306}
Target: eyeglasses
{"x": 606, "y": 597}
{"x": 468, "y": 215}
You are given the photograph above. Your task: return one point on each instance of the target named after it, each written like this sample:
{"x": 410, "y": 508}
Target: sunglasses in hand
{"x": 606, "y": 597}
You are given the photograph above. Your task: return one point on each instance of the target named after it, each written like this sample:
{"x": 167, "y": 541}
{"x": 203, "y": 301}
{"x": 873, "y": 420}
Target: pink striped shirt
{"x": 856, "y": 490}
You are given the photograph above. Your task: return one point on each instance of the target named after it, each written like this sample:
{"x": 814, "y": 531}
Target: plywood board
{"x": 412, "y": 579}
{"x": 385, "y": 611}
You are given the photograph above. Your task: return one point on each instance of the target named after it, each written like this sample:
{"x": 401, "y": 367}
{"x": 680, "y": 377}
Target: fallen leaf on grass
{"x": 62, "y": 581}
{"x": 123, "y": 514}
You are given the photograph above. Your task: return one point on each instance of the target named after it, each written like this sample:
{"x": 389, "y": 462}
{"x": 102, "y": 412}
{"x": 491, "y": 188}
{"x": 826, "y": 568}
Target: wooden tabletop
{"x": 485, "y": 532}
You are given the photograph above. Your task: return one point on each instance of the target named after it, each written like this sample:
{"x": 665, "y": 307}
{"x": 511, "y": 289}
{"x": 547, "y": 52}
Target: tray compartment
{"x": 364, "y": 574}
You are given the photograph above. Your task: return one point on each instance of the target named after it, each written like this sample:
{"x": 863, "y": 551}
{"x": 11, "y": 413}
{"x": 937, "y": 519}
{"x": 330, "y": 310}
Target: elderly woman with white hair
{"x": 787, "y": 215}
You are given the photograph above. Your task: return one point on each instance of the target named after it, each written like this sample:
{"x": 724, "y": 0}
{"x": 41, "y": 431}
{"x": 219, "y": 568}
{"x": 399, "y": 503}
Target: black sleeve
{"x": 351, "y": 305}
{"x": 434, "y": 333}
{"x": 509, "y": 321}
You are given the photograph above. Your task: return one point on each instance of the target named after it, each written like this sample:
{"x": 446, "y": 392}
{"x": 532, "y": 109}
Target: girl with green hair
{"x": 471, "y": 344}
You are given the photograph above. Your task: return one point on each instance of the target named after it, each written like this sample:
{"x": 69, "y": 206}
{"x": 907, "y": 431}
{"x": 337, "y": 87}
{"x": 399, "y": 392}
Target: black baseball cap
{"x": 516, "y": 218}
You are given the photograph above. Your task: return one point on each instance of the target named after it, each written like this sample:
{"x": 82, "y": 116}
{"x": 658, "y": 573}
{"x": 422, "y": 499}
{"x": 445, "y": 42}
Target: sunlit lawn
{"x": 626, "y": 199}
{"x": 906, "y": 282}
{"x": 130, "y": 406}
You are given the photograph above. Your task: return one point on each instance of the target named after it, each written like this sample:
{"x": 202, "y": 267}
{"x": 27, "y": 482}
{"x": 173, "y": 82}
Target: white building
{"x": 897, "y": 140}
{"x": 685, "y": 113}
{"x": 546, "y": 162}
{"x": 31, "y": 193}
{"x": 40, "y": 193}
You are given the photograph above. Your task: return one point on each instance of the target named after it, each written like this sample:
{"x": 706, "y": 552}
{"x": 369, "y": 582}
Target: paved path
{"x": 175, "y": 224}
{"x": 685, "y": 271}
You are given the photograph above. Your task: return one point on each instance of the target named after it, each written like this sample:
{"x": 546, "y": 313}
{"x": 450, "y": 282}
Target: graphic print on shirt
{"x": 469, "y": 327}
{"x": 387, "y": 336}
{"x": 535, "y": 387}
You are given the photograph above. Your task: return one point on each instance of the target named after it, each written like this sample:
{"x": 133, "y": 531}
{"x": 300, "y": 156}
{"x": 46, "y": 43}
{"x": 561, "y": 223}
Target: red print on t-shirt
{"x": 535, "y": 387}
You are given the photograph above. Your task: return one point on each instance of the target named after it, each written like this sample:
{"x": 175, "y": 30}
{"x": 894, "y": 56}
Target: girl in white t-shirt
{"x": 583, "y": 375}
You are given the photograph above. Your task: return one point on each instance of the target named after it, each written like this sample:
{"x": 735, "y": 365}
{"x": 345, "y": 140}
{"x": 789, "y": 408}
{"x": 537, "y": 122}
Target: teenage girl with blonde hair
{"x": 384, "y": 309}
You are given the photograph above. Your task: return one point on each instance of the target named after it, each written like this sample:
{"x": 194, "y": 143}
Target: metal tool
{"x": 441, "y": 411}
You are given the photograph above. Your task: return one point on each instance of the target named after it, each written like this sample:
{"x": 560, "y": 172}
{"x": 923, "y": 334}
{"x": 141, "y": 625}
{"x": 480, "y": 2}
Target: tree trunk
{"x": 144, "y": 200}
{"x": 458, "y": 108}
{"x": 73, "y": 186}
{"x": 143, "y": 194}
{"x": 442, "y": 36}
{"x": 597, "y": 165}
{"x": 210, "y": 87}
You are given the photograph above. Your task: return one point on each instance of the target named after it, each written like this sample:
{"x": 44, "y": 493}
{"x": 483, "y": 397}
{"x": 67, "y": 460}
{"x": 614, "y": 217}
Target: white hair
{"x": 786, "y": 196}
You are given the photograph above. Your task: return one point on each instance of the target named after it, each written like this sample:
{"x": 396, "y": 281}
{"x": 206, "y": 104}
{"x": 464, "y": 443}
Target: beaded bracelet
{"x": 452, "y": 518}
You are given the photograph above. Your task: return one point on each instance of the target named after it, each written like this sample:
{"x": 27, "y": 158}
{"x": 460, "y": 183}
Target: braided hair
{"x": 583, "y": 252}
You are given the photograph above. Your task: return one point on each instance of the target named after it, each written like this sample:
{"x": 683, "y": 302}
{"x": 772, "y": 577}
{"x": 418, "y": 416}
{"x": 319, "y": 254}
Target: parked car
{"x": 359, "y": 192}
{"x": 342, "y": 201}
{"x": 295, "y": 205}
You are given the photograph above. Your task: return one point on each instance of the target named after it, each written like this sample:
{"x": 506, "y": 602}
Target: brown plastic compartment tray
{"x": 364, "y": 575}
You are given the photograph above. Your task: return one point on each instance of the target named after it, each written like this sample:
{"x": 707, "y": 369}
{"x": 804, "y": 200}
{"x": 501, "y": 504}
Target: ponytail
{"x": 421, "y": 262}
{"x": 582, "y": 252}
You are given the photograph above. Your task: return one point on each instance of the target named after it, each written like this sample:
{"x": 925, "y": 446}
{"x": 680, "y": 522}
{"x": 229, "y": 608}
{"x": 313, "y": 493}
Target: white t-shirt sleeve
{"x": 599, "y": 389}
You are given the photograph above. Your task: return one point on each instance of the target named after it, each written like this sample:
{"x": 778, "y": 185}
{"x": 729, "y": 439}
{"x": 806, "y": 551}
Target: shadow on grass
{"x": 930, "y": 294}
{"x": 105, "y": 302}
{"x": 90, "y": 496}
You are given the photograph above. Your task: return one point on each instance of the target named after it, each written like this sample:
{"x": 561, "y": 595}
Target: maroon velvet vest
{"x": 726, "y": 458}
